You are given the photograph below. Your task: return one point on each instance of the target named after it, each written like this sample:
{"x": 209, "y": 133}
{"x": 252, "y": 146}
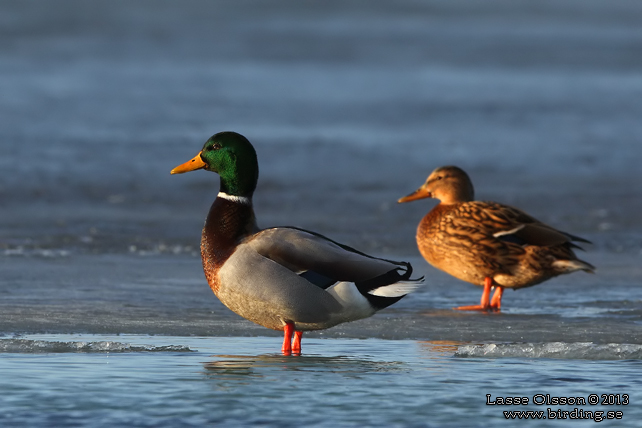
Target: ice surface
{"x": 168, "y": 295}
{"x": 27, "y": 346}
{"x": 584, "y": 351}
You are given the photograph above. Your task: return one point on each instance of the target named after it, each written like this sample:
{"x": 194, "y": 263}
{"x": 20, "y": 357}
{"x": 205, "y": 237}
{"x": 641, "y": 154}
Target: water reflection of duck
{"x": 487, "y": 243}
{"x": 441, "y": 348}
{"x": 226, "y": 367}
{"x": 283, "y": 278}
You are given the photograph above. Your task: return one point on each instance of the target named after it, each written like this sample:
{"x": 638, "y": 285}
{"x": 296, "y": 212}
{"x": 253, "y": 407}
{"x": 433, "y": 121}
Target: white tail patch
{"x": 397, "y": 289}
{"x": 569, "y": 266}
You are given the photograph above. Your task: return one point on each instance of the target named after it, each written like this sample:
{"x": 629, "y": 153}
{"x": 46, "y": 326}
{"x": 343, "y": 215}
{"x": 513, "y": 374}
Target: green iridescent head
{"x": 232, "y": 157}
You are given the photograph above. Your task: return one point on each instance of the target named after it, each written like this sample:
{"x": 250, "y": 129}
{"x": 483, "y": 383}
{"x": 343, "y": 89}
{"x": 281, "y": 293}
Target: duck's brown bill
{"x": 191, "y": 165}
{"x": 417, "y": 194}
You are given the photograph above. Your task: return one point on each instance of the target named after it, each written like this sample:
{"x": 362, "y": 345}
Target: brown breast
{"x": 227, "y": 224}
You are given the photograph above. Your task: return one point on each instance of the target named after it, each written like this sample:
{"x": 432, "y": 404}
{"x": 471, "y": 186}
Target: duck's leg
{"x": 296, "y": 346}
{"x": 484, "y": 305}
{"x": 288, "y": 331}
{"x": 496, "y": 301}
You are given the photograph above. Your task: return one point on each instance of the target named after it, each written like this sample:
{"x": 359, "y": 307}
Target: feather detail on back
{"x": 300, "y": 251}
{"x": 476, "y": 239}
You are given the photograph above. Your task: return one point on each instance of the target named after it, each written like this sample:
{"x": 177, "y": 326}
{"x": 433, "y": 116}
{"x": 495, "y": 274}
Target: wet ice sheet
{"x": 168, "y": 295}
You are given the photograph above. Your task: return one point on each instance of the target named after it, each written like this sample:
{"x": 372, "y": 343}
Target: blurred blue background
{"x": 350, "y": 105}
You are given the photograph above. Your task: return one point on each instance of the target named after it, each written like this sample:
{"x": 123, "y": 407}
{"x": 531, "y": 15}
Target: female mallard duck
{"x": 486, "y": 243}
{"x": 283, "y": 278}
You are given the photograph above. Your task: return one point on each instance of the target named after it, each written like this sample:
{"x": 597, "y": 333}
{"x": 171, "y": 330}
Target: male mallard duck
{"x": 486, "y": 243}
{"x": 283, "y": 278}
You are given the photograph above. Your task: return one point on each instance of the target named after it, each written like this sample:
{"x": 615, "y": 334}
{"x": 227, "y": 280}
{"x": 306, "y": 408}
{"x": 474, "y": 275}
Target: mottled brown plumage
{"x": 487, "y": 243}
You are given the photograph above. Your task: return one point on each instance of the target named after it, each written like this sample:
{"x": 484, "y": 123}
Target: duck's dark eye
{"x": 215, "y": 146}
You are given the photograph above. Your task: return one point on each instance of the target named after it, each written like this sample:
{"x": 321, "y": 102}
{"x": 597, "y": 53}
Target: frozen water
{"x": 28, "y": 346}
{"x": 585, "y": 351}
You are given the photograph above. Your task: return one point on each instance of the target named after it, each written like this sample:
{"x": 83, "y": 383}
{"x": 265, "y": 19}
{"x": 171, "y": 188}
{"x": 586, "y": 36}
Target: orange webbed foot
{"x": 485, "y": 304}
{"x": 473, "y": 308}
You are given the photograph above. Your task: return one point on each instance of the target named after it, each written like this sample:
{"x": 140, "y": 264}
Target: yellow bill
{"x": 191, "y": 165}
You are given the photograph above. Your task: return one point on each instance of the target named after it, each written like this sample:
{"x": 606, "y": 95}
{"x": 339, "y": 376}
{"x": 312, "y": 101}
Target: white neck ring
{"x": 238, "y": 199}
